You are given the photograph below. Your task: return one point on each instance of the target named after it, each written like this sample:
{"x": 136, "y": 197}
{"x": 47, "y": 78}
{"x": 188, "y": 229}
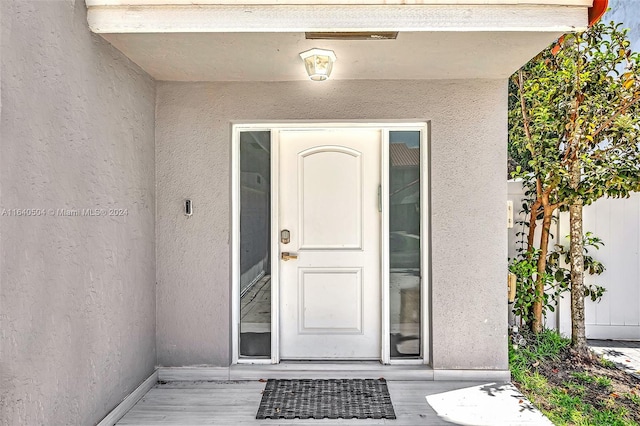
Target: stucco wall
{"x": 77, "y": 297}
{"x": 468, "y": 193}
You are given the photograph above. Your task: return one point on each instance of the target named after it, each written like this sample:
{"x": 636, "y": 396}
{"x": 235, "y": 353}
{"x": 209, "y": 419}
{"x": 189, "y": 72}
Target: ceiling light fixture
{"x": 318, "y": 63}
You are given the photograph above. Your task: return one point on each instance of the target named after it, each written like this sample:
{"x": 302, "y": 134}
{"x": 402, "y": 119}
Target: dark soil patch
{"x": 602, "y": 387}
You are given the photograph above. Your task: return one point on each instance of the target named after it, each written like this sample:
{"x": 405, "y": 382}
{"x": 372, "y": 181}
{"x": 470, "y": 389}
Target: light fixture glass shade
{"x": 318, "y": 63}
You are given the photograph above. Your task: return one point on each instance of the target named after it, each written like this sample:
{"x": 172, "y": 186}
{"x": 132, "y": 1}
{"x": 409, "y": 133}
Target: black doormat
{"x": 332, "y": 399}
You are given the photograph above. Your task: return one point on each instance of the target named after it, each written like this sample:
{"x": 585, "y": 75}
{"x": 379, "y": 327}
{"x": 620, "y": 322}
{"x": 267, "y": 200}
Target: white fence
{"x": 617, "y": 223}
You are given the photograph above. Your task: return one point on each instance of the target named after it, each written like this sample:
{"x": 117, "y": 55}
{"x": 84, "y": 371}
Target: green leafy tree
{"x": 576, "y": 121}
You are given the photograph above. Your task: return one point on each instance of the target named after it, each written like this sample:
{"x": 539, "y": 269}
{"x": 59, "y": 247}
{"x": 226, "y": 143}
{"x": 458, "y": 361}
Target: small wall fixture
{"x": 319, "y": 63}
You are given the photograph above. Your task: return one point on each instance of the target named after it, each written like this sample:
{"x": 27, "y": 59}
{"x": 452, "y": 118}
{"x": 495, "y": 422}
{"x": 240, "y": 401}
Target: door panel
{"x": 330, "y": 300}
{"x": 330, "y": 294}
{"x": 330, "y": 202}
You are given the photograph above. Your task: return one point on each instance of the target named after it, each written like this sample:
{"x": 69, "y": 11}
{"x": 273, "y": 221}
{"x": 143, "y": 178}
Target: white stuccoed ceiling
{"x": 274, "y": 56}
{"x": 226, "y": 40}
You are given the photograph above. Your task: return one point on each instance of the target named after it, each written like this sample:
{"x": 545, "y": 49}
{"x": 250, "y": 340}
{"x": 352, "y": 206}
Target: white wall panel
{"x": 617, "y": 223}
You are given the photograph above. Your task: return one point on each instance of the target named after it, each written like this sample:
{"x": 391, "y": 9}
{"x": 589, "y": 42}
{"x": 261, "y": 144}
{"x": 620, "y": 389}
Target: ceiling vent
{"x": 360, "y": 35}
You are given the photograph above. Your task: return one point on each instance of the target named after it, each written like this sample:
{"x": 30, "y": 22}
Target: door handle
{"x": 285, "y": 255}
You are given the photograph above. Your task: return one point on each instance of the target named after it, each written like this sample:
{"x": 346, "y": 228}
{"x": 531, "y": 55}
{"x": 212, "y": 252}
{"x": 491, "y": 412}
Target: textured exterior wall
{"x": 468, "y": 193}
{"x": 77, "y": 297}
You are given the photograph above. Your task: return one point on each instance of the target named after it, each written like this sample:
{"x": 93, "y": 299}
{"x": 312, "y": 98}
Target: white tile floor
{"x": 236, "y": 403}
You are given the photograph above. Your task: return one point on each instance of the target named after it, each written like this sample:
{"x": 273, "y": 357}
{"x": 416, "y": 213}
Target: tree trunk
{"x": 576, "y": 252}
{"x": 533, "y": 216}
{"x": 538, "y": 307}
{"x": 532, "y": 225}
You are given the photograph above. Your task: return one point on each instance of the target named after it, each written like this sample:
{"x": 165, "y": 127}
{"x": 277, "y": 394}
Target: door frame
{"x": 384, "y": 126}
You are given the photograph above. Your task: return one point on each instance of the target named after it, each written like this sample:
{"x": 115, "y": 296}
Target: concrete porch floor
{"x": 625, "y": 354}
{"x": 236, "y": 403}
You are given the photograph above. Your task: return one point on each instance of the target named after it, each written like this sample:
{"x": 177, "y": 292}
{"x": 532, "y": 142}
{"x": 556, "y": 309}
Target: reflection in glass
{"x": 255, "y": 256}
{"x": 404, "y": 242}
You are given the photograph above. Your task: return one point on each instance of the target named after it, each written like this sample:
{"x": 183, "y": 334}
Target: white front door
{"x": 330, "y": 300}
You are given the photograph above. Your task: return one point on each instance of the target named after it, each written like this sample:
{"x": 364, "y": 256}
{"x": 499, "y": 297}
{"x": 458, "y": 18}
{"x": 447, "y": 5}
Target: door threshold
{"x": 330, "y": 370}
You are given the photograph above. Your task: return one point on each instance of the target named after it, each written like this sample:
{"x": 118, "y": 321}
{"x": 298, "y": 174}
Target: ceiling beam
{"x": 300, "y": 18}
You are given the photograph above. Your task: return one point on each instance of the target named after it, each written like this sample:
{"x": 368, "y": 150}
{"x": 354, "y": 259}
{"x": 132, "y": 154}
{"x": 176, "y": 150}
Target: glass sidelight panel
{"x": 255, "y": 254}
{"x": 404, "y": 243}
